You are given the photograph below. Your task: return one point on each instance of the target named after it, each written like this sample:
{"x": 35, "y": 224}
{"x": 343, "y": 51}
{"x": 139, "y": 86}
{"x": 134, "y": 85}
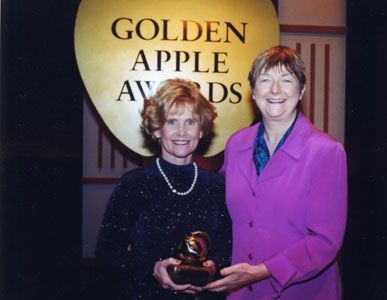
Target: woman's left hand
{"x": 238, "y": 276}
{"x": 161, "y": 274}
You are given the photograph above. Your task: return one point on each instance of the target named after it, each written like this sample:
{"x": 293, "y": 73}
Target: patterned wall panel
{"x": 324, "y": 100}
{"x": 104, "y": 157}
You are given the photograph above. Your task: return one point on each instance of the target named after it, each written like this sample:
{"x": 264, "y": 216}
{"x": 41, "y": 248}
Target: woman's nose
{"x": 181, "y": 131}
{"x": 275, "y": 88}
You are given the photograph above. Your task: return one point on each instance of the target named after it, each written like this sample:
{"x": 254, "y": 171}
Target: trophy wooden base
{"x": 195, "y": 275}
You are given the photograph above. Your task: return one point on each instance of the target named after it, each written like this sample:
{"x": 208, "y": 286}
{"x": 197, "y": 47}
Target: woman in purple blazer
{"x": 286, "y": 191}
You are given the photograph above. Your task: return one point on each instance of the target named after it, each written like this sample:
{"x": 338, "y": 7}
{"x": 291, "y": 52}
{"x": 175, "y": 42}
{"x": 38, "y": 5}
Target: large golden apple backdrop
{"x": 125, "y": 48}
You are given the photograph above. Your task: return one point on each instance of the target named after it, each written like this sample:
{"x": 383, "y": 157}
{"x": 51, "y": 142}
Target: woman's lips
{"x": 275, "y": 101}
{"x": 178, "y": 142}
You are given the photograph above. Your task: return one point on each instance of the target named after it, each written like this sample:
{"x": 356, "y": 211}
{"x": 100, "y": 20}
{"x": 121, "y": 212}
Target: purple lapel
{"x": 277, "y": 165}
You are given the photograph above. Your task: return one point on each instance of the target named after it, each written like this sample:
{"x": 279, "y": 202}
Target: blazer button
{"x": 253, "y": 194}
{"x": 251, "y": 223}
{"x": 250, "y": 288}
{"x": 250, "y": 256}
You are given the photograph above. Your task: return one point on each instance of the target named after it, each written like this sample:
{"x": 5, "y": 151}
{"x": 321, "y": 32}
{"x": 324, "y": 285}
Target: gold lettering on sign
{"x": 148, "y": 29}
{"x": 124, "y": 50}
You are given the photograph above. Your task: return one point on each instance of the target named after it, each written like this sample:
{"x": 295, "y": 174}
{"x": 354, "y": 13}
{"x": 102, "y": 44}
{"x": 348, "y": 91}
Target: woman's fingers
{"x": 180, "y": 288}
{"x": 238, "y": 276}
{"x": 234, "y": 269}
{"x": 235, "y": 277}
{"x": 209, "y": 263}
{"x": 161, "y": 273}
{"x": 218, "y": 286}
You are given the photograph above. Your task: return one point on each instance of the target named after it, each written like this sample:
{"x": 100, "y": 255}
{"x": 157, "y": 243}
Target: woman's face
{"x": 276, "y": 94}
{"x": 180, "y": 135}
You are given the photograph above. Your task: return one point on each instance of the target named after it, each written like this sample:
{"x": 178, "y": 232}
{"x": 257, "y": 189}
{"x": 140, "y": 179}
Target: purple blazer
{"x": 292, "y": 217}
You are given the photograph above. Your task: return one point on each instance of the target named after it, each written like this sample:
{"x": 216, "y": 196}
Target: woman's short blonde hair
{"x": 278, "y": 56}
{"x": 177, "y": 92}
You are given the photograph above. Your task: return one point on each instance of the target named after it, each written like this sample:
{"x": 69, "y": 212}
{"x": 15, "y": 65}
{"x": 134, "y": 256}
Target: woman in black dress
{"x": 153, "y": 208}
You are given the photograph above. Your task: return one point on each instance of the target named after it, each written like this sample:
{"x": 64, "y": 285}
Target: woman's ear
{"x": 201, "y": 134}
{"x": 302, "y": 92}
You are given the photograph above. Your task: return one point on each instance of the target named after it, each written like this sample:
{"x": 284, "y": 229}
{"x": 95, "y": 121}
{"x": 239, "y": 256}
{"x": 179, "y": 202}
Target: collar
{"x": 293, "y": 145}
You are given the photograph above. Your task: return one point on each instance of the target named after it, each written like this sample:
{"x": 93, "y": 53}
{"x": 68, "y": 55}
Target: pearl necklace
{"x": 169, "y": 183}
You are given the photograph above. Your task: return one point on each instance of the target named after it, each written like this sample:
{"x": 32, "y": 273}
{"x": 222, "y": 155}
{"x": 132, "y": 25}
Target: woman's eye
{"x": 288, "y": 80}
{"x": 191, "y": 122}
{"x": 171, "y": 122}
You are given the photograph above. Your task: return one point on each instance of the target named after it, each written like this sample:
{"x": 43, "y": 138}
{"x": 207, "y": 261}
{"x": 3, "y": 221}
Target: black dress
{"x": 145, "y": 215}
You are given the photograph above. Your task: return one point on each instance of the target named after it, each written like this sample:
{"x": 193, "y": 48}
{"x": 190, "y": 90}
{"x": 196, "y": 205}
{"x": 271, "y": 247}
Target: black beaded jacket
{"x": 145, "y": 221}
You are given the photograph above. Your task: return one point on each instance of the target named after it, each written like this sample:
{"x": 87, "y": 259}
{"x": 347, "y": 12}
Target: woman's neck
{"x": 179, "y": 161}
{"x": 274, "y": 131}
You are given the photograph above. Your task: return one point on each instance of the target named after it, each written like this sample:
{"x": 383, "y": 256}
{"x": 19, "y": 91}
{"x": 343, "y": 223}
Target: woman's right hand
{"x": 237, "y": 276}
{"x": 161, "y": 274}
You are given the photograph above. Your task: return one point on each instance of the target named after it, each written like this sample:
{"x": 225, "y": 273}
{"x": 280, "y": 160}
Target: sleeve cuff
{"x": 280, "y": 269}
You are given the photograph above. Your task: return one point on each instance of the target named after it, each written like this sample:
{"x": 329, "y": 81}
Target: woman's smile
{"x": 178, "y": 142}
{"x": 275, "y": 101}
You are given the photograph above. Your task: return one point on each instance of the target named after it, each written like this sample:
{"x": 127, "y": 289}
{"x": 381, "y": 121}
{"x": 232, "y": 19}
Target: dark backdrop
{"x": 364, "y": 257}
{"x": 41, "y": 152}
